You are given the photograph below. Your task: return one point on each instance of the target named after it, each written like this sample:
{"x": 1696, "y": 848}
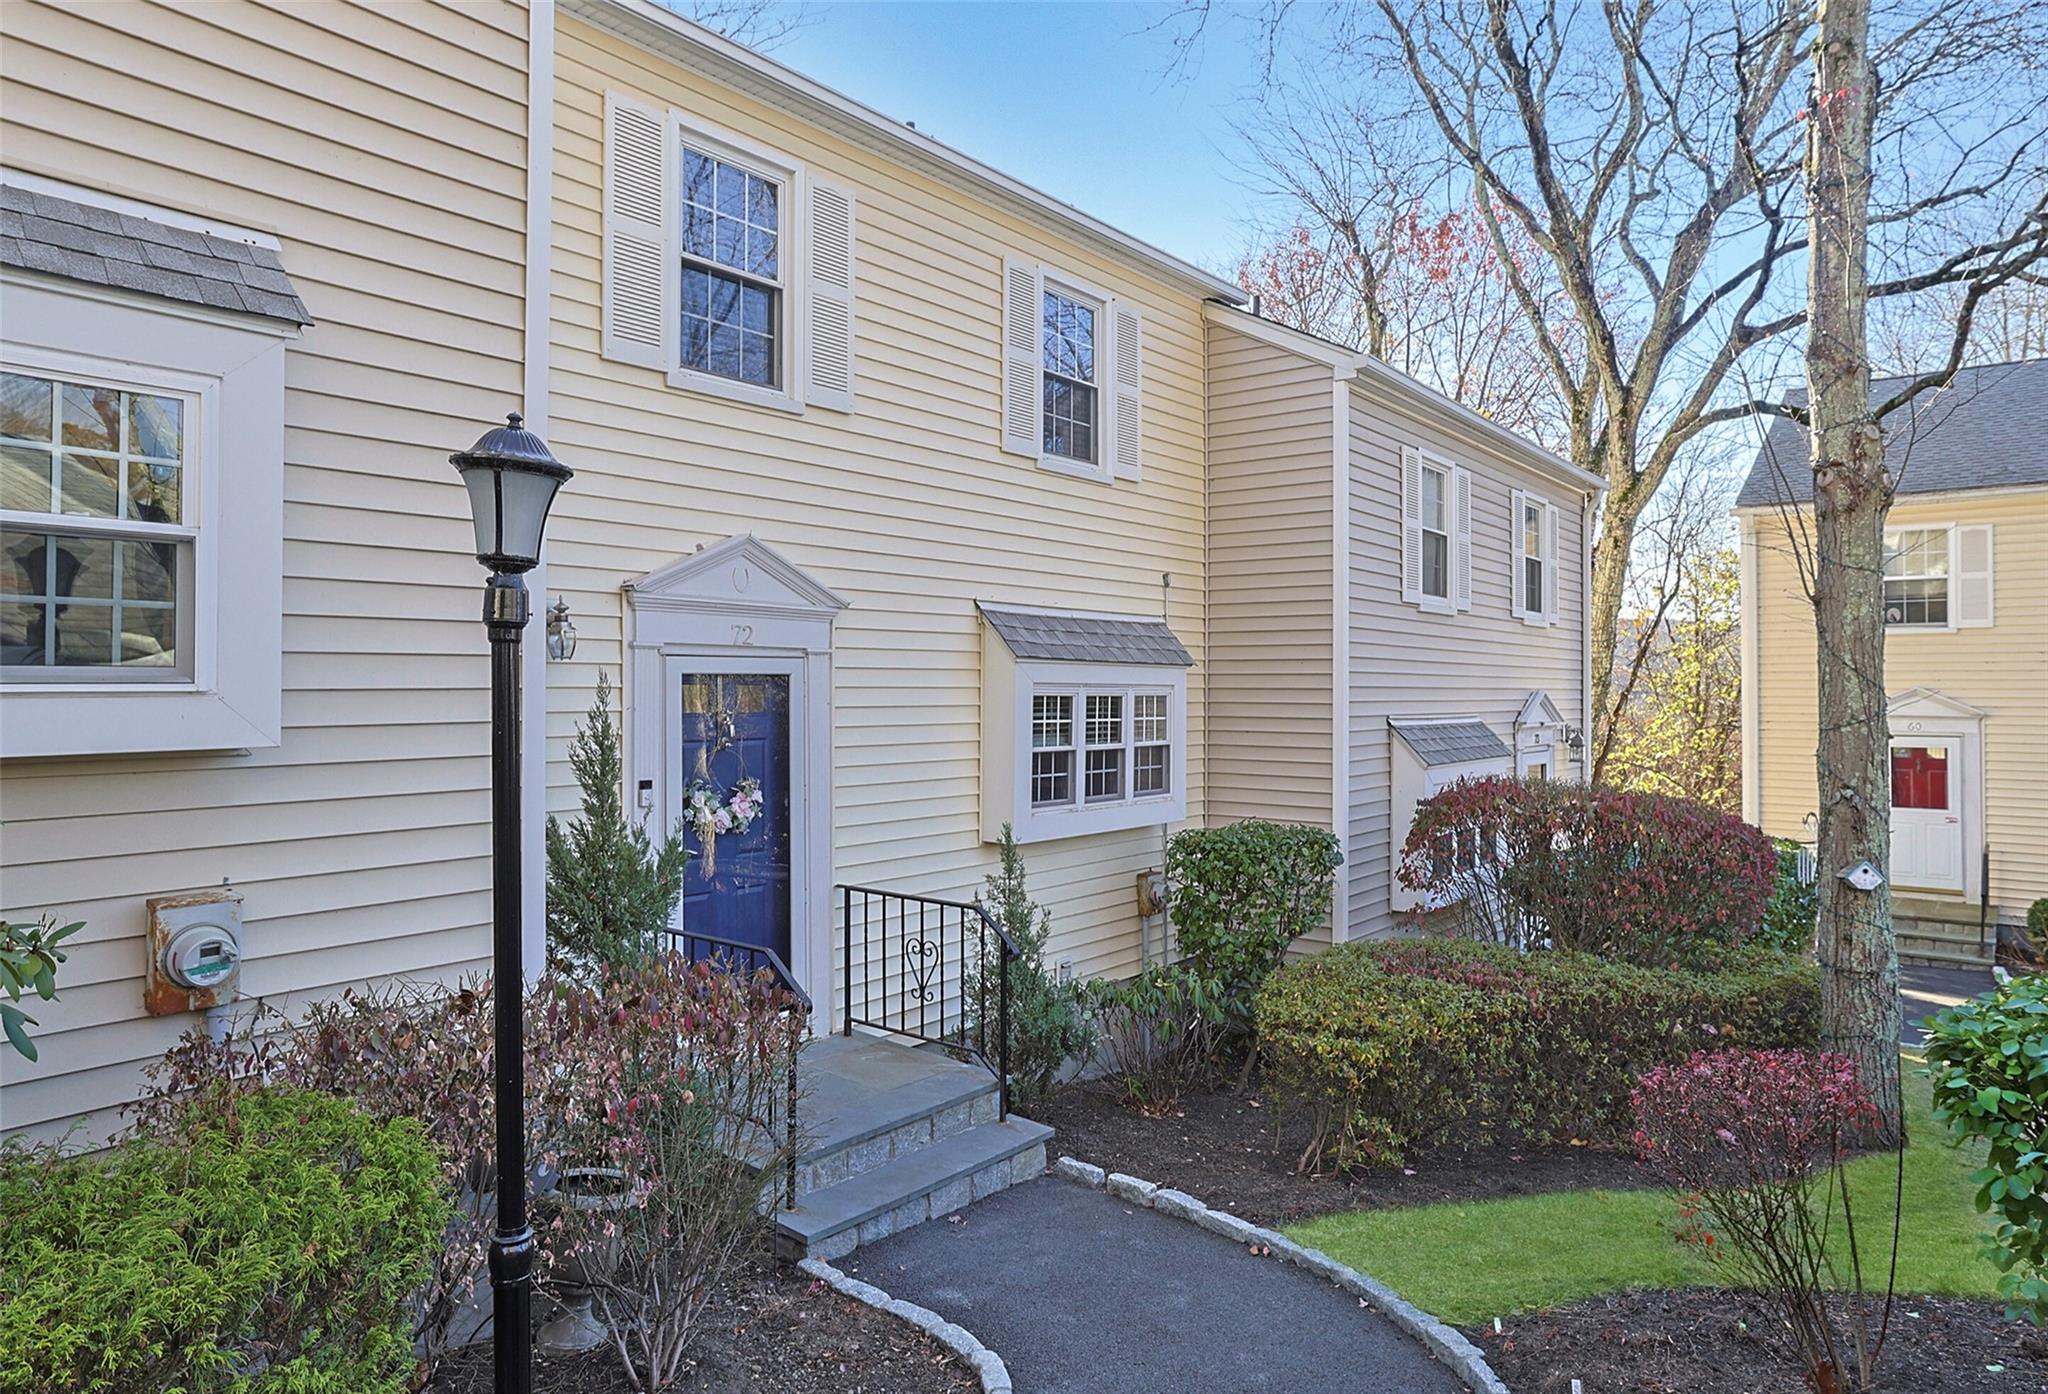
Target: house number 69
{"x": 742, "y": 635}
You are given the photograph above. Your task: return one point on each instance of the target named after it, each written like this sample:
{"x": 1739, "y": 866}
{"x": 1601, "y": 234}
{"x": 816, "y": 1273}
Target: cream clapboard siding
{"x": 1483, "y": 662}
{"x": 1272, "y": 421}
{"x": 907, "y": 507}
{"x": 2002, "y": 669}
{"x": 385, "y": 147}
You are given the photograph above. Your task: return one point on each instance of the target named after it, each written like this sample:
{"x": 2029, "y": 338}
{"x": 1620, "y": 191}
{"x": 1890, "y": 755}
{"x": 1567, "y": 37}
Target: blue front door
{"x": 735, "y": 728}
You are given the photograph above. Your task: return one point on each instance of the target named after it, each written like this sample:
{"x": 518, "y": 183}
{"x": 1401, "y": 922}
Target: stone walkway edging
{"x": 1451, "y": 1347}
{"x": 988, "y": 1367}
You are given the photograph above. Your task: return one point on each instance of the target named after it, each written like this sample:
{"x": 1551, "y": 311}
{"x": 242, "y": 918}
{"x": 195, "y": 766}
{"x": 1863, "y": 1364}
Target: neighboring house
{"x": 1966, "y": 651}
{"x": 925, "y": 501}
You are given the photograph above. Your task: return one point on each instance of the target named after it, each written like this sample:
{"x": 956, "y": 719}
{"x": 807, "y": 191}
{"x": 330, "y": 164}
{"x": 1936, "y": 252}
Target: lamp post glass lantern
{"x": 512, "y": 480}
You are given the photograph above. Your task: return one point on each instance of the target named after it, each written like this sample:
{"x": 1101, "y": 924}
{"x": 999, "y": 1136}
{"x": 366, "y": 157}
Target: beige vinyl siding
{"x": 1483, "y": 662}
{"x": 1271, "y": 421}
{"x": 384, "y": 145}
{"x": 2002, "y": 669}
{"x": 907, "y": 507}
{"x": 1272, "y": 424}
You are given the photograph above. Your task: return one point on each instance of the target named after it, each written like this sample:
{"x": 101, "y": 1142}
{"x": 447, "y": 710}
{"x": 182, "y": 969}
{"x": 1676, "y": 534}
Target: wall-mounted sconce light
{"x": 561, "y": 633}
{"x": 1575, "y": 740}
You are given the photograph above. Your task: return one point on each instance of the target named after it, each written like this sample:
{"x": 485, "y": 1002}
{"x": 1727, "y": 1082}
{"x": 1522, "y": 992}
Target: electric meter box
{"x": 195, "y": 951}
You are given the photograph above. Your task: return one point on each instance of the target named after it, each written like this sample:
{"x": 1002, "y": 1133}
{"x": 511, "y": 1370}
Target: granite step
{"x": 927, "y": 1180}
{"x": 866, "y": 1101}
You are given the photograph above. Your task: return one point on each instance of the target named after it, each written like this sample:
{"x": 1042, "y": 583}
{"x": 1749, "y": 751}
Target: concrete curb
{"x": 988, "y": 1367}
{"x": 1466, "y": 1359}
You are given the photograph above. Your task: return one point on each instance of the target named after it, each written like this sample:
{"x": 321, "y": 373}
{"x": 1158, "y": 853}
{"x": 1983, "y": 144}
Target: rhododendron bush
{"x": 1754, "y": 1142}
{"x": 1553, "y": 864}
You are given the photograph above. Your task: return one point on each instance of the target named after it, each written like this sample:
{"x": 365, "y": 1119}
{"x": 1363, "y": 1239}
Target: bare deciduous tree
{"x": 759, "y": 24}
{"x": 1652, "y": 151}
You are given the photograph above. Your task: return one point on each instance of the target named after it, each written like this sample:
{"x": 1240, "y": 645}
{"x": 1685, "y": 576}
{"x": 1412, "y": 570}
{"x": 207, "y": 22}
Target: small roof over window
{"x": 1462, "y": 742}
{"x": 1073, "y": 636}
{"x": 100, "y": 247}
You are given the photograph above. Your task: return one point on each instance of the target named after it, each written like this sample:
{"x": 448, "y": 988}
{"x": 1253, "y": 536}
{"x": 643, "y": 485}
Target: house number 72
{"x": 742, "y": 635}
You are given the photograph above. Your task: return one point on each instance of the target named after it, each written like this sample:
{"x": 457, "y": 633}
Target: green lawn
{"x": 1471, "y": 1262}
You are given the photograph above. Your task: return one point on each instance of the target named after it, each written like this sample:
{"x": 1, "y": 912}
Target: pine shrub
{"x": 611, "y": 890}
{"x": 1048, "y": 1023}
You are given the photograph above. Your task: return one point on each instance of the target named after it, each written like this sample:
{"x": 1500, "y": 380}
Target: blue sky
{"x": 1114, "y": 135}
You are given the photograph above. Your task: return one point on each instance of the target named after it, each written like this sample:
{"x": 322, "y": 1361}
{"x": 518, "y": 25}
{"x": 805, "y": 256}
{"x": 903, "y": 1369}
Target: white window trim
{"x": 792, "y": 334}
{"x": 1009, "y": 686}
{"x": 232, "y": 366}
{"x": 1447, "y": 603}
{"x": 1103, "y": 303}
{"x": 1521, "y": 501}
{"x": 1954, "y": 578}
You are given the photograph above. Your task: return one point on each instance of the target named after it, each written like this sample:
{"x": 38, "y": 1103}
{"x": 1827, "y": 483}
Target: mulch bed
{"x": 1237, "y": 1152}
{"x": 1701, "y": 1342}
{"x": 769, "y": 1332}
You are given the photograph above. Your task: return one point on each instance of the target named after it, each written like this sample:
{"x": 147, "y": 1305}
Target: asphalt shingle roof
{"x": 1071, "y": 638}
{"x": 57, "y": 237}
{"x": 1450, "y": 742}
{"x": 1987, "y": 429}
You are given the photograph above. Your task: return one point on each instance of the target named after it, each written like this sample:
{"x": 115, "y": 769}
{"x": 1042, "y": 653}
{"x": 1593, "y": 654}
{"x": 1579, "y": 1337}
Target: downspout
{"x": 1586, "y": 735}
{"x": 1751, "y": 673}
{"x": 1165, "y": 829}
{"x": 540, "y": 179}
{"x": 1340, "y": 643}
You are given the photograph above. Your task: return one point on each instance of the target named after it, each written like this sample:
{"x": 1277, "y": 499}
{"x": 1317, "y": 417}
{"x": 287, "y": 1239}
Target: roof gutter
{"x": 662, "y": 31}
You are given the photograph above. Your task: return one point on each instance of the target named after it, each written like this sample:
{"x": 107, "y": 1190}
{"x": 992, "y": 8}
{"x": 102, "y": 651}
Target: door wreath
{"x": 711, "y": 811}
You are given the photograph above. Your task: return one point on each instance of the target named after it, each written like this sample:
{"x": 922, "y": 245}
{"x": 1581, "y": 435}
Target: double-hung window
{"x": 1533, "y": 549}
{"x": 1052, "y": 749}
{"x": 1916, "y": 578}
{"x": 1436, "y": 532}
{"x": 732, "y": 286}
{"x": 96, "y": 535}
{"x": 1071, "y": 422}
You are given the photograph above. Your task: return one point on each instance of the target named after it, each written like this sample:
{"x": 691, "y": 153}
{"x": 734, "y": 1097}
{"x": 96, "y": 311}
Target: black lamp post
{"x": 512, "y": 480}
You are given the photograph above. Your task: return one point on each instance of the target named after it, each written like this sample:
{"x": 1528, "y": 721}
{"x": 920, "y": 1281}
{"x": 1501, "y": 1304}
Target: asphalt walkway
{"x": 1082, "y": 1293}
{"x": 1925, "y": 990}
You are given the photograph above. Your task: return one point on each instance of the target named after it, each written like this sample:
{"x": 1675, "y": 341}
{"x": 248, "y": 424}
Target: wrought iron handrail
{"x": 921, "y": 928}
{"x": 758, "y": 958}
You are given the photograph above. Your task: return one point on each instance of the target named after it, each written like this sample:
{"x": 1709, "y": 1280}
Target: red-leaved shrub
{"x": 1754, "y": 1141}
{"x": 1547, "y": 863}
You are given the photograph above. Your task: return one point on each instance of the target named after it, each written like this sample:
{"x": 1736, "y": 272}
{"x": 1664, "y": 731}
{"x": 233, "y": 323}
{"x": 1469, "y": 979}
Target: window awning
{"x": 58, "y": 237}
{"x": 1438, "y": 743}
{"x": 1071, "y": 636}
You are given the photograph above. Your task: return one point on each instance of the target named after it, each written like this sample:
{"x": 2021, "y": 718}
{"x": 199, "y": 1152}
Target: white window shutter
{"x": 1550, "y": 572}
{"x": 1461, "y": 538}
{"x": 1411, "y": 525}
{"x": 1023, "y": 357}
{"x": 1127, "y": 389}
{"x": 638, "y": 267}
{"x": 1973, "y": 576}
{"x": 828, "y": 358}
{"x": 1518, "y": 573}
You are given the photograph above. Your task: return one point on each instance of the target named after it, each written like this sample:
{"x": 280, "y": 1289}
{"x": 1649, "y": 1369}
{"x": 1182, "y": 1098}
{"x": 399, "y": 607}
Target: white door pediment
{"x": 741, "y": 573}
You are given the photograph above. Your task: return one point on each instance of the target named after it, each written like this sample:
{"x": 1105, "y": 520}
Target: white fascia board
{"x": 660, "y": 30}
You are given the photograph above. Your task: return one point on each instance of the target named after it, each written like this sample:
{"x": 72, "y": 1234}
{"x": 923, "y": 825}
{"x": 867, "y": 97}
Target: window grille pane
{"x": 1052, "y": 777}
{"x": 89, "y": 485}
{"x": 1105, "y": 775}
{"x": 1436, "y": 565}
{"x": 1433, "y": 500}
{"x": 25, "y": 477}
{"x": 1532, "y": 584}
{"x": 1148, "y": 716}
{"x": 88, "y": 602}
{"x": 156, "y": 427}
{"x": 1052, "y": 720}
{"x": 1105, "y": 718}
{"x": 1148, "y": 770}
{"x": 26, "y": 404}
{"x": 92, "y": 417}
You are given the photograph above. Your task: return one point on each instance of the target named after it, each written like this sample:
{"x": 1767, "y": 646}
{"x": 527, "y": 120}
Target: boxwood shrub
{"x": 267, "y": 1244}
{"x": 1398, "y": 1045}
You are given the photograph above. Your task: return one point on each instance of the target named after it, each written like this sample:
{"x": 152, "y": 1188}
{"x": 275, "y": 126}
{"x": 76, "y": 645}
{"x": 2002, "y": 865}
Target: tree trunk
{"x": 1858, "y": 957}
